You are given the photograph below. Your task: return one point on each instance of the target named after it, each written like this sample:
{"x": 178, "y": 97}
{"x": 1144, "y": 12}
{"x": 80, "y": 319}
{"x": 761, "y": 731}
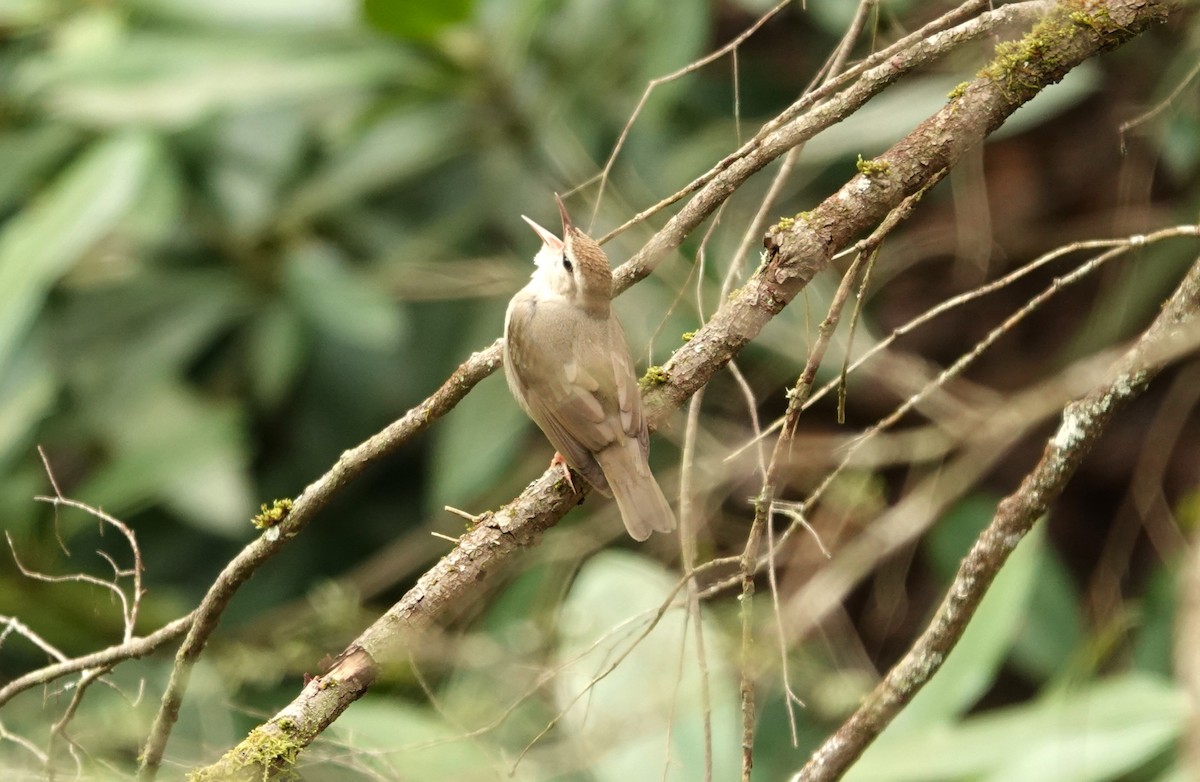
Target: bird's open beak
{"x": 548, "y": 239}
{"x": 566, "y": 218}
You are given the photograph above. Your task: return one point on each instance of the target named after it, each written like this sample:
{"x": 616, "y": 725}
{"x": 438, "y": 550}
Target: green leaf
{"x": 175, "y": 81}
{"x": 887, "y": 117}
{"x": 274, "y": 15}
{"x": 27, "y": 392}
{"x": 399, "y": 741}
{"x": 15, "y": 14}
{"x": 29, "y": 156}
{"x": 151, "y": 327}
{"x": 415, "y": 21}
{"x": 1158, "y": 612}
{"x": 464, "y": 464}
{"x": 342, "y": 301}
{"x": 1053, "y": 632}
{"x": 402, "y": 145}
{"x": 254, "y": 153}
{"x": 642, "y": 719}
{"x": 276, "y": 350}
{"x": 80, "y": 208}
{"x": 1083, "y": 735}
{"x": 177, "y": 448}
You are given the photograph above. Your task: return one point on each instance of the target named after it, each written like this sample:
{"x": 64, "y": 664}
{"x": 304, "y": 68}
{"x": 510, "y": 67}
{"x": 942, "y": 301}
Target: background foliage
{"x": 240, "y": 236}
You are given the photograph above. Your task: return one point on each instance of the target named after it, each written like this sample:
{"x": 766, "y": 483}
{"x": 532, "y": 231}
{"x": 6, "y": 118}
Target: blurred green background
{"x": 240, "y": 236}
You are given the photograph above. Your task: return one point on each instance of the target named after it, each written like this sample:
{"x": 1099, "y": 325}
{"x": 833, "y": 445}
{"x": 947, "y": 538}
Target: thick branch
{"x": 797, "y": 252}
{"x": 778, "y": 136}
{"x": 127, "y": 650}
{"x": 302, "y": 511}
{"x": 1083, "y": 421}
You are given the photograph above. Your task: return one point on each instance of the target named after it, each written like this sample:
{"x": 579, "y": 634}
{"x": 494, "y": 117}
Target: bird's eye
{"x": 566, "y": 263}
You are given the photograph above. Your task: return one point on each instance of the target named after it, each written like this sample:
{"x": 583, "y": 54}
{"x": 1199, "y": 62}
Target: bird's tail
{"x": 643, "y": 507}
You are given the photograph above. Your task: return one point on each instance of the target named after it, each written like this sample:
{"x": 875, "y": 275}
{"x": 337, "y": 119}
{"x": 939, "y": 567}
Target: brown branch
{"x": 1083, "y": 421}
{"x": 797, "y": 252}
{"x": 788, "y": 130}
{"x": 773, "y": 140}
{"x": 302, "y": 511}
{"x": 129, "y": 650}
{"x": 925, "y": 37}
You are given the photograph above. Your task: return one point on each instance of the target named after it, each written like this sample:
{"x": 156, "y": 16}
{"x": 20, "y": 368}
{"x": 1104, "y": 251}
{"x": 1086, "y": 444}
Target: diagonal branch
{"x": 797, "y": 251}
{"x": 1083, "y": 421}
{"x": 775, "y": 138}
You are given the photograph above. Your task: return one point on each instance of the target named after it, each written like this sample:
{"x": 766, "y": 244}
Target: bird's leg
{"x": 559, "y": 461}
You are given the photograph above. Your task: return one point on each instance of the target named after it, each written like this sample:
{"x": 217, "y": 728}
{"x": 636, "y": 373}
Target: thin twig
{"x": 1083, "y": 422}
{"x": 691, "y": 67}
{"x": 796, "y": 255}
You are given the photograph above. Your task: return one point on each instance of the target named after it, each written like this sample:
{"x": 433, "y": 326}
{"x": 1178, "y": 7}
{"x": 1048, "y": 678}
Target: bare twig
{"x": 1141, "y": 119}
{"x": 1082, "y": 423}
{"x": 796, "y": 254}
{"x": 924, "y": 44}
{"x": 791, "y": 128}
{"x": 655, "y": 83}
{"x": 128, "y": 650}
{"x": 303, "y": 510}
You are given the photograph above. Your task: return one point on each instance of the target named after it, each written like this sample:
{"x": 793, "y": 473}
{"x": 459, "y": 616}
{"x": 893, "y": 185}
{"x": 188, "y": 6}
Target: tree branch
{"x": 1083, "y": 421}
{"x": 797, "y": 251}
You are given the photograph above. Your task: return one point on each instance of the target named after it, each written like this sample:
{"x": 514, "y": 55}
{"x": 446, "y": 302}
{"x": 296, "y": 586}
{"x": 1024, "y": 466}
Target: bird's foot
{"x": 559, "y": 461}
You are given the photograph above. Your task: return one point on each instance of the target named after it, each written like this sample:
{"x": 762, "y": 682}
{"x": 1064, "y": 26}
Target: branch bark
{"x": 797, "y": 250}
{"x": 1083, "y": 421}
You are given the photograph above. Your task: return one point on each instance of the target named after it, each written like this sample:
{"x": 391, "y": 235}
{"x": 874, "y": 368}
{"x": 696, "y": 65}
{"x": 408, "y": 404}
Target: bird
{"x": 568, "y": 366}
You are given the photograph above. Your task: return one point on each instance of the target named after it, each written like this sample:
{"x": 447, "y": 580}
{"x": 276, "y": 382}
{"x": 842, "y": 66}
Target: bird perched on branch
{"x": 568, "y": 366}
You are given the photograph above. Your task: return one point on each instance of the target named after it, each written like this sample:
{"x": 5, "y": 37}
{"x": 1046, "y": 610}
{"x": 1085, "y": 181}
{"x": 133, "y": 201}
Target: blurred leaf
{"x": 1089, "y": 734}
{"x": 340, "y": 302}
{"x": 972, "y": 666}
{"x": 1177, "y": 774}
{"x": 254, "y": 153}
{"x": 29, "y": 156}
{"x": 953, "y": 537}
{"x": 1081, "y": 82}
{"x": 643, "y": 718}
{"x": 415, "y": 21}
{"x": 895, "y": 112}
{"x": 1157, "y": 612}
{"x": 41, "y": 243}
{"x": 464, "y": 463}
{"x": 1181, "y": 146}
{"x": 276, "y": 352}
{"x": 16, "y": 14}
{"x": 402, "y": 145}
{"x": 155, "y": 214}
{"x": 1130, "y": 296}
{"x": 1053, "y": 631}
{"x": 393, "y": 737}
{"x": 276, "y": 15}
{"x": 834, "y": 18}
{"x": 27, "y": 391}
{"x": 174, "y": 447}
{"x": 173, "y": 81}
{"x": 151, "y": 327}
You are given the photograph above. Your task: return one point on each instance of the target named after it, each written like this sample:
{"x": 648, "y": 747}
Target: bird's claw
{"x": 559, "y": 461}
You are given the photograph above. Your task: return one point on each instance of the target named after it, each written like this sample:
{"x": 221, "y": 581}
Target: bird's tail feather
{"x": 643, "y": 507}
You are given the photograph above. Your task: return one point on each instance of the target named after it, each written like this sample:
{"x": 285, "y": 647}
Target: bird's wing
{"x": 547, "y": 373}
{"x": 628, "y": 396}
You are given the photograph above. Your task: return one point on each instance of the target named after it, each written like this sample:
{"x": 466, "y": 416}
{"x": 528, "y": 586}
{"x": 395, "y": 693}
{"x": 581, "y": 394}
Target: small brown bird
{"x": 569, "y": 368}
